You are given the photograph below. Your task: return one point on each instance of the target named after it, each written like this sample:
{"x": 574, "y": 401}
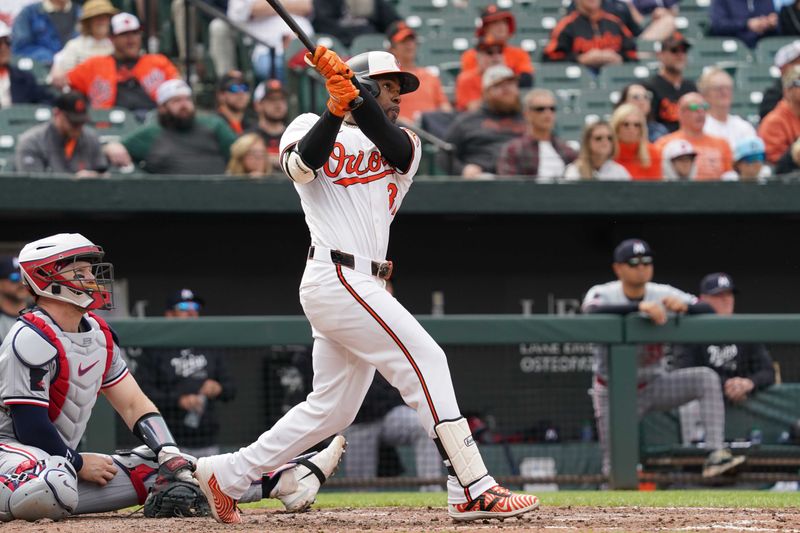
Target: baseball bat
{"x": 310, "y": 46}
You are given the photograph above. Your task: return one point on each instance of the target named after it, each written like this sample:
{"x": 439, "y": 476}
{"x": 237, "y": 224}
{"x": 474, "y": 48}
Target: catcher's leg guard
{"x": 459, "y": 451}
{"x": 43, "y": 489}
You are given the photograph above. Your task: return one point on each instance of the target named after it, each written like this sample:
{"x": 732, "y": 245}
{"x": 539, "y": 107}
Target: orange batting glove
{"x": 328, "y": 63}
{"x": 342, "y": 92}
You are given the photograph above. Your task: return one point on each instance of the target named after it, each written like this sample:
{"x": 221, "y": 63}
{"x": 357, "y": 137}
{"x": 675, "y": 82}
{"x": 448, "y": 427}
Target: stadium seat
{"x": 617, "y": 76}
{"x": 570, "y": 125}
{"x": 563, "y": 76}
{"x": 450, "y": 24}
{"x": 23, "y": 116}
{"x": 693, "y": 18}
{"x": 8, "y": 144}
{"x": 768, "y": 46}
{"x": 421, "y": 8}
{"x": 40, "y": 71}
{"x": 596, "y": 103}
{"x": 112, "y": 124}
{"x": 745, "y": 104}
{"x": 368, "y": 42}
{"x": 710, "y": 50}
{"x": 757, "y": 76}
{"x": 438, "y": 50}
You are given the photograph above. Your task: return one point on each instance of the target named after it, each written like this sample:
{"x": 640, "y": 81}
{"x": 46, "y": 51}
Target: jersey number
{"x": 392, "y": 188}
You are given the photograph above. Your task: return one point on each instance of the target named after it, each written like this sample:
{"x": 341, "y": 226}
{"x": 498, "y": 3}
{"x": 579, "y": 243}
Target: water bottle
{"x": 437, "y": 303}
{"x": 756, "y": 437}
{"x": 192, "y": 418}
{"x": 587, "y": 434}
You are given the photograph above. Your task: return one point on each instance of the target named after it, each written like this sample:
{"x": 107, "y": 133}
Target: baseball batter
{"x": 55, "y": 361}
{"x": 352, "y": 168}
{"x": 659, "y": 389}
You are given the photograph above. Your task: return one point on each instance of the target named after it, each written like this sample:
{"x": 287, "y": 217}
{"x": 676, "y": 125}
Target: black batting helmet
{"x": 369, "y": 65}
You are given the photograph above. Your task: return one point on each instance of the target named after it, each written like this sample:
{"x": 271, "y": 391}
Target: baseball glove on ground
{"x": 171, "y": 497}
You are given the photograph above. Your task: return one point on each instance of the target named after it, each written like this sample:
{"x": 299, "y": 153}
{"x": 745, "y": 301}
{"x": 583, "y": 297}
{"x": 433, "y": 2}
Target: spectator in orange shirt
{"x": 634, "y": 152}
{"x": 469, "y": 83}
{"x": 781, "y": 127}
{"x": 127, "y": 78}
{"x": 714, "y": 157}
{"x": 500, "y": 25}
{"x": 430, "y": 95}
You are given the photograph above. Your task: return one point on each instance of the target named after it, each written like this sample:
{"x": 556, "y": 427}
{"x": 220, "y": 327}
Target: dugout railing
{"x": 620, "y": 334}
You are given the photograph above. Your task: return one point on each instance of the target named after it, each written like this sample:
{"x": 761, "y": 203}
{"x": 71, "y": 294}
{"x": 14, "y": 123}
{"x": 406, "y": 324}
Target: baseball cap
{"x": 94, "y": 8}
{"x": 493, "y": 13}
{"x": 676, "y": 39}
{"x": 399, "y": 31}
{"x": 9, "y": 268}
{"x": 495, "y": 74}
{"x": 184, "y": 296}
{"x": 233, "y": 81}
{"x": 748, "y": 147}
{"x": 678, "y": 148}
{"x": 74, "y": 105}
{"x": 172, "y": 88}
{"x": 787, "y": 53}
{"x": 5, "y": 31}
{"x": 631, "y": 248}
{"x": 268, "y": 87}
{"x": 124, "y": 23}
{"x": 716, "y": 283}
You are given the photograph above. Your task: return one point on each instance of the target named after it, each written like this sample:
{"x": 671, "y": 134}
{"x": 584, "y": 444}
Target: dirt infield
{"x": 435, "y": 519}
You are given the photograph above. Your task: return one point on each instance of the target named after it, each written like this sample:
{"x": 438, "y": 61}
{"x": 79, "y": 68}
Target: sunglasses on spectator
{"x": 640, "y": 260}
{"x": 640, "y": 96}
{"x": 755, "y": 158}
{"x": 697, "y": 107}
{"x": 238, "y": 88}
{"x": 599, "y": 138}
{"x": 677, "y": 50}
{"x": 637, "y": 125}
{"x": 187, "y": 306}
{"x": 542, "y": 108}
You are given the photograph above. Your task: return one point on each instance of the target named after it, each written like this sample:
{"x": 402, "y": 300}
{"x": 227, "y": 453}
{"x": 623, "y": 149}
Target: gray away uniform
{"x": 659, "y": 389}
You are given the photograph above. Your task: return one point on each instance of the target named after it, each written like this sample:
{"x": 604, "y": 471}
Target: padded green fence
{"x": 620, "y": 333}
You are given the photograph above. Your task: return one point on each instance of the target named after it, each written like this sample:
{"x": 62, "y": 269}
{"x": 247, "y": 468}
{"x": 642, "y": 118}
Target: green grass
{"x": 667, "y": 498}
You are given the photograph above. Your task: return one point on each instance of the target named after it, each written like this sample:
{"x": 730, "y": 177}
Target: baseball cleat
{"x": 311, "y": 473}
{"x": 720, "y": 462}
{"x": 223, "y": 507}
{"x": 497, "y": 502}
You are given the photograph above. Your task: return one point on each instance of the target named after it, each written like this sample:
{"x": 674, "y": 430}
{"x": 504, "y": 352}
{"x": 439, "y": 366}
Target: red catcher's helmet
{"x": 49, "y": 270}
{"x": 370, "y": 65}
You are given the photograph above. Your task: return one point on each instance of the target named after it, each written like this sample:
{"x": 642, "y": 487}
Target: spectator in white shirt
{"x": 260, "y": 19}
{"x": 716, "y": 86}
{"x": 93, "y": 41}
{"x": 596, "y": 157}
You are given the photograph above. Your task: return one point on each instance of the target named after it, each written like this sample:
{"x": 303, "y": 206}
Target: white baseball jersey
{"x": 355, "y": 196}
{"x": 650, "y": 357}
{"x": 65, "y": 381}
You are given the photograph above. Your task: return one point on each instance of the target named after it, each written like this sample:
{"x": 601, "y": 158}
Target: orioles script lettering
{"x": 359, "y": 168}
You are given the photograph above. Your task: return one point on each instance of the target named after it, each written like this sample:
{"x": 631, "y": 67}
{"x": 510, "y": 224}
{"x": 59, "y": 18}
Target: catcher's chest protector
{"x": 76, "y": 373}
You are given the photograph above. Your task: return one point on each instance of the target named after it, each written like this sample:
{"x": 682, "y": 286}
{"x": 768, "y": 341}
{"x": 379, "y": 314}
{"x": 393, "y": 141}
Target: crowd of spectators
{"x": 497, "y": 119}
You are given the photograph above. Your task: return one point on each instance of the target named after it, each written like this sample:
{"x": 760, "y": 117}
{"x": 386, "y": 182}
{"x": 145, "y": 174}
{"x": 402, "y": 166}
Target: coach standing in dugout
{"x": 591, "y": 37}
{"x": 658, "y": 389}
{"x": 186, "y": 384}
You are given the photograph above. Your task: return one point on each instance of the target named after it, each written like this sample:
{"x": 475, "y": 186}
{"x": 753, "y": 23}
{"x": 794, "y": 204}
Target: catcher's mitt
{"x": 171, "y": 496}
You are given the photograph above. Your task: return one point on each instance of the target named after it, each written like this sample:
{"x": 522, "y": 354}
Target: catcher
{"x": 55, "y": 361}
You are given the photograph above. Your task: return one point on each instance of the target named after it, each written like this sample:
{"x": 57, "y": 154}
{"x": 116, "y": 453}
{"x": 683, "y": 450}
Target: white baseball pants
{"x": 357, "y": 327}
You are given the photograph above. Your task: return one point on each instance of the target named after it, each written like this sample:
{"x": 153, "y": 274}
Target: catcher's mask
{"x": 369, "y": 66}
{"x": 67, "y": 267}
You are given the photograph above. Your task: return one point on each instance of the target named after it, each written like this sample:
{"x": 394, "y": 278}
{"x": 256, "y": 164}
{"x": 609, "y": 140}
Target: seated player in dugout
{"x": 658, "y": 387}
{"x": 56, "y": 360}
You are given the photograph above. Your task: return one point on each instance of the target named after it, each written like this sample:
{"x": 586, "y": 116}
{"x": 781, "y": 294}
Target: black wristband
{"x": 152, "y": 430}
{"x": 75, "y": 458}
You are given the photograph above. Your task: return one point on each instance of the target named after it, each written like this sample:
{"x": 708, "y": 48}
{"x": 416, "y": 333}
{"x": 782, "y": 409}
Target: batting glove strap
{"x": 328, "y": 63}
